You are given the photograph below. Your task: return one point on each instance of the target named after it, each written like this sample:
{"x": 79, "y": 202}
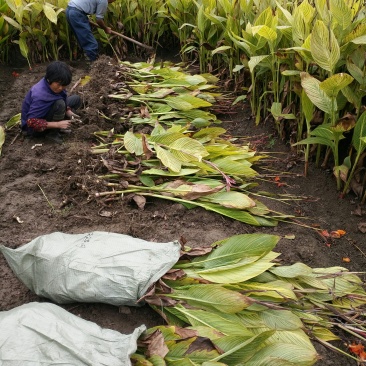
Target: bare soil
{"x": 46, "y": 187}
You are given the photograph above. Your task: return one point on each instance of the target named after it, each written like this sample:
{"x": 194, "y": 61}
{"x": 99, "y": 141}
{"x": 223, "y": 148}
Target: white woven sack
{"x": 98, "y": 266}
{"x": 43, "y": 334}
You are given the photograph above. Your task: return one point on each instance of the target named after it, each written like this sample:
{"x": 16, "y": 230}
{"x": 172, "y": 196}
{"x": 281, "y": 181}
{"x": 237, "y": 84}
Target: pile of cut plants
{"x": 163, "y": 140}
{"x": 234, "y": 304}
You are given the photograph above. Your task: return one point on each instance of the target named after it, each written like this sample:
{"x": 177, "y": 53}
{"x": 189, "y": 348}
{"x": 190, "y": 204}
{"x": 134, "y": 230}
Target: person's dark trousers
{"x": 58, "y": 108}
{"x": 79, "y": 24}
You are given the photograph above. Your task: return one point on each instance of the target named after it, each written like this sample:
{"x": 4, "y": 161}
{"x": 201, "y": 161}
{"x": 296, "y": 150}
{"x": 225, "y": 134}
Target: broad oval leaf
{"x": 212, "y": 297}
{"x": 12, "y": 22}
{"x": 219, "y": 322}
{"x": 256, "y": 60}
{"x": 324, "y": 46}
{"x": 335, "y": 83}
{"x": 239, "y": 274}
{"x": 341, "y": 13}
{"x": 295, "y": 270}
{"x": 186, "y": 102}
{"x": 187, "y": 149}
{"x": 284, "y": 354}
{"x": 265, "y": 31}
{"x": 165, "y": 173}
{"x": 133, "y": 144}
{"x": 280, "y": 319}
{"x": 237, "y": 247}
{"x": 221, "y": 49}
{"x": 230, "y": 199}
{"x": 317, "y": 96}
{"x": 50, "y": 13}
{"x": 237, "y": 350}
{"x": 168, "y": 159}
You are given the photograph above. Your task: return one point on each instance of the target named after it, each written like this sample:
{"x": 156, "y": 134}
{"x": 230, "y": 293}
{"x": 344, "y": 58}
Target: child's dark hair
{"x": 58, "y": 72}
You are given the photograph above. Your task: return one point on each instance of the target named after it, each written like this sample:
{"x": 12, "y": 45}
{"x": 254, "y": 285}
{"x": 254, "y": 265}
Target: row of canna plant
{"x": 304, "y": 58}
{"x": 234, "y": 304}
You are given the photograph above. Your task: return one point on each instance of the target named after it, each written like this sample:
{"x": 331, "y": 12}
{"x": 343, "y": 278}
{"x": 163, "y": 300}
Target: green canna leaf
{"x": 186, "y": 102}
{"x": 284, "y": 354}
{"x": 324, "y": 46}
{"x": 295, "y": 270}
{"x": 280, "y": 319}
{"x": 214, "y": 320}
{"x": 236, "y": 247}
{"x": 168, "y": 159}
{"x": 212, "y": 298}
{"x": 317, "y": 96}
{"x": 230, "y": 199}
{"x": 238, "y": 350}
{"x": 187, "y": 149}
{"x": 50, "y": 13}
{"x": 335, "y": 83}
{"x": 225, "y": 274}
{"x": 341, "y": 12}
{"x": 133, "y": 144}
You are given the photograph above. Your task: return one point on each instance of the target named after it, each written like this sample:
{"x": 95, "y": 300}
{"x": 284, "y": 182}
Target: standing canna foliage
{"x": 6, "y": 31}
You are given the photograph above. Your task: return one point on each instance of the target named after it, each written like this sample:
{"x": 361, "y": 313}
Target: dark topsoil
{"x": 38, "y": 176}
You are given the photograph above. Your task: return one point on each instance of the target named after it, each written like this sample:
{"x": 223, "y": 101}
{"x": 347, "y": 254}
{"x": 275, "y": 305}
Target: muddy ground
{"x": 37, "y": 177}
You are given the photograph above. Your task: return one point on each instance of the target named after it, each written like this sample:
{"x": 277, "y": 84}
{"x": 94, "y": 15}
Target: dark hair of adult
{"x": 58, "y": 72}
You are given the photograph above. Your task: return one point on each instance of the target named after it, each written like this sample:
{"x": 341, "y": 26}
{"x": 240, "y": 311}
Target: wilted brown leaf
{"x": 140, "y": 201}
{"x": 195, "y": 252}
{"x": 147, "y": 150}
{"x": 185, "y": 333}
{"x": 155, "y": 344}
{"x": 174, "y": 274}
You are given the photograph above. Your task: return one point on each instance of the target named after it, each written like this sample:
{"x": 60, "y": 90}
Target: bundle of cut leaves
{"x": 166, "y": 94}
{"x": 183, "y": 157}
{"x": 195, "y": 168}
{"x": 233, "y": 304}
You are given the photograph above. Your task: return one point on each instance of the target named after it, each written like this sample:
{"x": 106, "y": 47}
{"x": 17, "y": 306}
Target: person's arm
{"x": 39, "y": 125}
{"x": 102, "y": 25}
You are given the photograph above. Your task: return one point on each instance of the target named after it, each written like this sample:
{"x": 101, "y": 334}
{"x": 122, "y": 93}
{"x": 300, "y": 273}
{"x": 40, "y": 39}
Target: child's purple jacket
{"x": 38, "y": 102}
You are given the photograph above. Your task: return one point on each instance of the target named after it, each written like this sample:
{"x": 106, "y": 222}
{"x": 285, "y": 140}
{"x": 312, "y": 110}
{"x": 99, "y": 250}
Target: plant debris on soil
{"x": 45, "y": 187}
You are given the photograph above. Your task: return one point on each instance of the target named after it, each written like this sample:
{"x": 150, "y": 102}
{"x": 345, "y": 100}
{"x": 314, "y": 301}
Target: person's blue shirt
{"x": 97, "y": 7}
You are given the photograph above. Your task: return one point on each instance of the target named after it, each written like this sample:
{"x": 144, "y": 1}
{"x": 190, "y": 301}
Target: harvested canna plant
{"x": 234, "y": 304}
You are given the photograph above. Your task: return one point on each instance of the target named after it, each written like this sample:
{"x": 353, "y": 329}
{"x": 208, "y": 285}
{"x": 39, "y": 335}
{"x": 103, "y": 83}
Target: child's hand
{"x": 65, "y": 124}
{"x": 70, "y": 114}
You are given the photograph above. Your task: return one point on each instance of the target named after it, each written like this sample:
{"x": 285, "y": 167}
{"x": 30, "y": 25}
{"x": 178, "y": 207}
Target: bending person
{"x": 46, "y": 109}
{"x": 77, "y": 13}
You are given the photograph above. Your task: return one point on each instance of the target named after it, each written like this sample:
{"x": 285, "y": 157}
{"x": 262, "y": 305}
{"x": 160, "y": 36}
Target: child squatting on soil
{"x": 77, "y": 13}
{"x": 46, "y": 109}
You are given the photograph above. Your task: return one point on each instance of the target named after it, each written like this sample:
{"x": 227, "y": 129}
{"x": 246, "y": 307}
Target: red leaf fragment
{"x": 358, "y": 349}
